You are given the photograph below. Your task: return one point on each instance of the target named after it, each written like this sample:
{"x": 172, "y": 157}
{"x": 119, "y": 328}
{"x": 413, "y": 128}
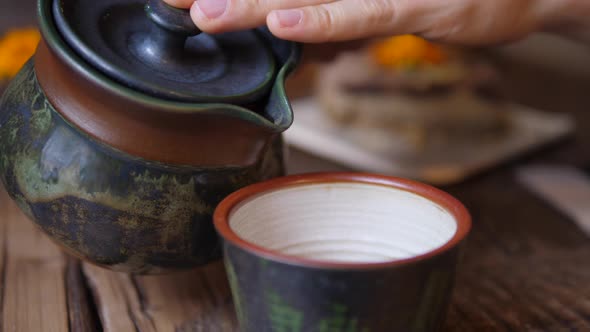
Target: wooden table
{"x": 526, "y": 267}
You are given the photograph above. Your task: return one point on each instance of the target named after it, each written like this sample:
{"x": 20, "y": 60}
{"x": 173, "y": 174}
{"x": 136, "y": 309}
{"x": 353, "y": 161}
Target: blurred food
{"x": 302, "y": 82}
{"x": 407, "y": 51}
{"x": 406, "y": 87}
{"x": 16, "y": 47}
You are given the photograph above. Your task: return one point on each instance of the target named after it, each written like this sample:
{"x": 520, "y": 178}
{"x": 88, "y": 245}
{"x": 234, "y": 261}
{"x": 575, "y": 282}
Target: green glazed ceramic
{"x": 126, "y": 177}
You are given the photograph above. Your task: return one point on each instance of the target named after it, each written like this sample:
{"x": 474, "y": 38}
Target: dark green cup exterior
{"x": 273, "y": 292}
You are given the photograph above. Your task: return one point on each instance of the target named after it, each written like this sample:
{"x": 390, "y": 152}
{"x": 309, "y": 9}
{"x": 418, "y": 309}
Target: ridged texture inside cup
{"x": 343, "y": 222}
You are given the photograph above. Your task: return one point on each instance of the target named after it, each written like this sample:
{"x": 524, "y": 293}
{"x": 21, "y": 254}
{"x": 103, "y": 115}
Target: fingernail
{"x": 289, "y": 18}
{"x": 212, "y": 8}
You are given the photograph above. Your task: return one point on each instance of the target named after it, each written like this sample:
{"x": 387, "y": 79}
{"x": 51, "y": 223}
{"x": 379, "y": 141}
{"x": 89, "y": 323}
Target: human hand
{"x": 458, "y": 21}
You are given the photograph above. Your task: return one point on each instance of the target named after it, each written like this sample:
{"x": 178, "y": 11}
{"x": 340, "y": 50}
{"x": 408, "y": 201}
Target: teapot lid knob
{"x": 174, "y": 20}
{"x": 165, "y": 44}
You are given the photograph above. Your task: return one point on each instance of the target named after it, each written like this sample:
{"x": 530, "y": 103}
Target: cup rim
{"x": 453, "y": 206}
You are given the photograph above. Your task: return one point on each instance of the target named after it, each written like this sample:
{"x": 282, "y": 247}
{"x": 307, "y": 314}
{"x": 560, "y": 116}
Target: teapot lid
{"x": 155, "y": 48}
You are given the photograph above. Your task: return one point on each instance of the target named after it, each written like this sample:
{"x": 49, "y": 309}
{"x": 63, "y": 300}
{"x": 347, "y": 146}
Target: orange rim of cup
{"x": 449, "y": 203}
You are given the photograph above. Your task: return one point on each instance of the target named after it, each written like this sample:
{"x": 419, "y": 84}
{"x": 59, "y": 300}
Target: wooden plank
{"x": 4, "y": 210}
{"x": 34, "y": 297}
{"x": 118, "y": 304}
{"x": 525, "y": 265}
{"x": 82, "y": 314}
{"x": 198, "y": 300}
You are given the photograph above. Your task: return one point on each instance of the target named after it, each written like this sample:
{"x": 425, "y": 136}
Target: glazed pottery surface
{"x": 341, "y": 252}
{"x": 124, "y": 179}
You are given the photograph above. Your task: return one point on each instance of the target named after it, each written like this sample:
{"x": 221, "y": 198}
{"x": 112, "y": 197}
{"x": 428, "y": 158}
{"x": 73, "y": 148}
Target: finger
{"x": 336, "y": 21}
{"x": 214, "y": 16}
{"x": 180, "y": 3}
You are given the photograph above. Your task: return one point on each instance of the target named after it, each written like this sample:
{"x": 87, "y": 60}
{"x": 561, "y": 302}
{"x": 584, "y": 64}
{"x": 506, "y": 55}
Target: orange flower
{"x": 16, "y": 47}
{"x": 407, "y": 51}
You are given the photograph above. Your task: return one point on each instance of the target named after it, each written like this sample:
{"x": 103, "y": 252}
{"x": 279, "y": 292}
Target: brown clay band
{"x": 192, "y": 138}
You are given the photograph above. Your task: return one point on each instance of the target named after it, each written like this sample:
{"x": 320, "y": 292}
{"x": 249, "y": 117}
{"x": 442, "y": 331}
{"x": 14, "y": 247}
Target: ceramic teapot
{"x": 128, "y": 126}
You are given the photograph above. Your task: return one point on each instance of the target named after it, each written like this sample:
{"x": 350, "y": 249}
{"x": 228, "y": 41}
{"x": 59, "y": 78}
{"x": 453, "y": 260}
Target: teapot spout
{"x": 278, "y": 108}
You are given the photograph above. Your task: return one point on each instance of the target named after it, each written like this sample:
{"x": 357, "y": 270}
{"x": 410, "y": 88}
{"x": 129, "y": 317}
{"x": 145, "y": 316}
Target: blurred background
{"x": 442, "y": 121}
{"x": 431, "y": 112}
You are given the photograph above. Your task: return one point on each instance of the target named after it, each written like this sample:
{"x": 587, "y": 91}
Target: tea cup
{"x": 347, "y": 252}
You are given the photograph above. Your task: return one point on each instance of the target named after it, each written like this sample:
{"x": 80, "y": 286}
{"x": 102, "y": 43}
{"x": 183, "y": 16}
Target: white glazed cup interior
{"x": 343, "y": 222}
